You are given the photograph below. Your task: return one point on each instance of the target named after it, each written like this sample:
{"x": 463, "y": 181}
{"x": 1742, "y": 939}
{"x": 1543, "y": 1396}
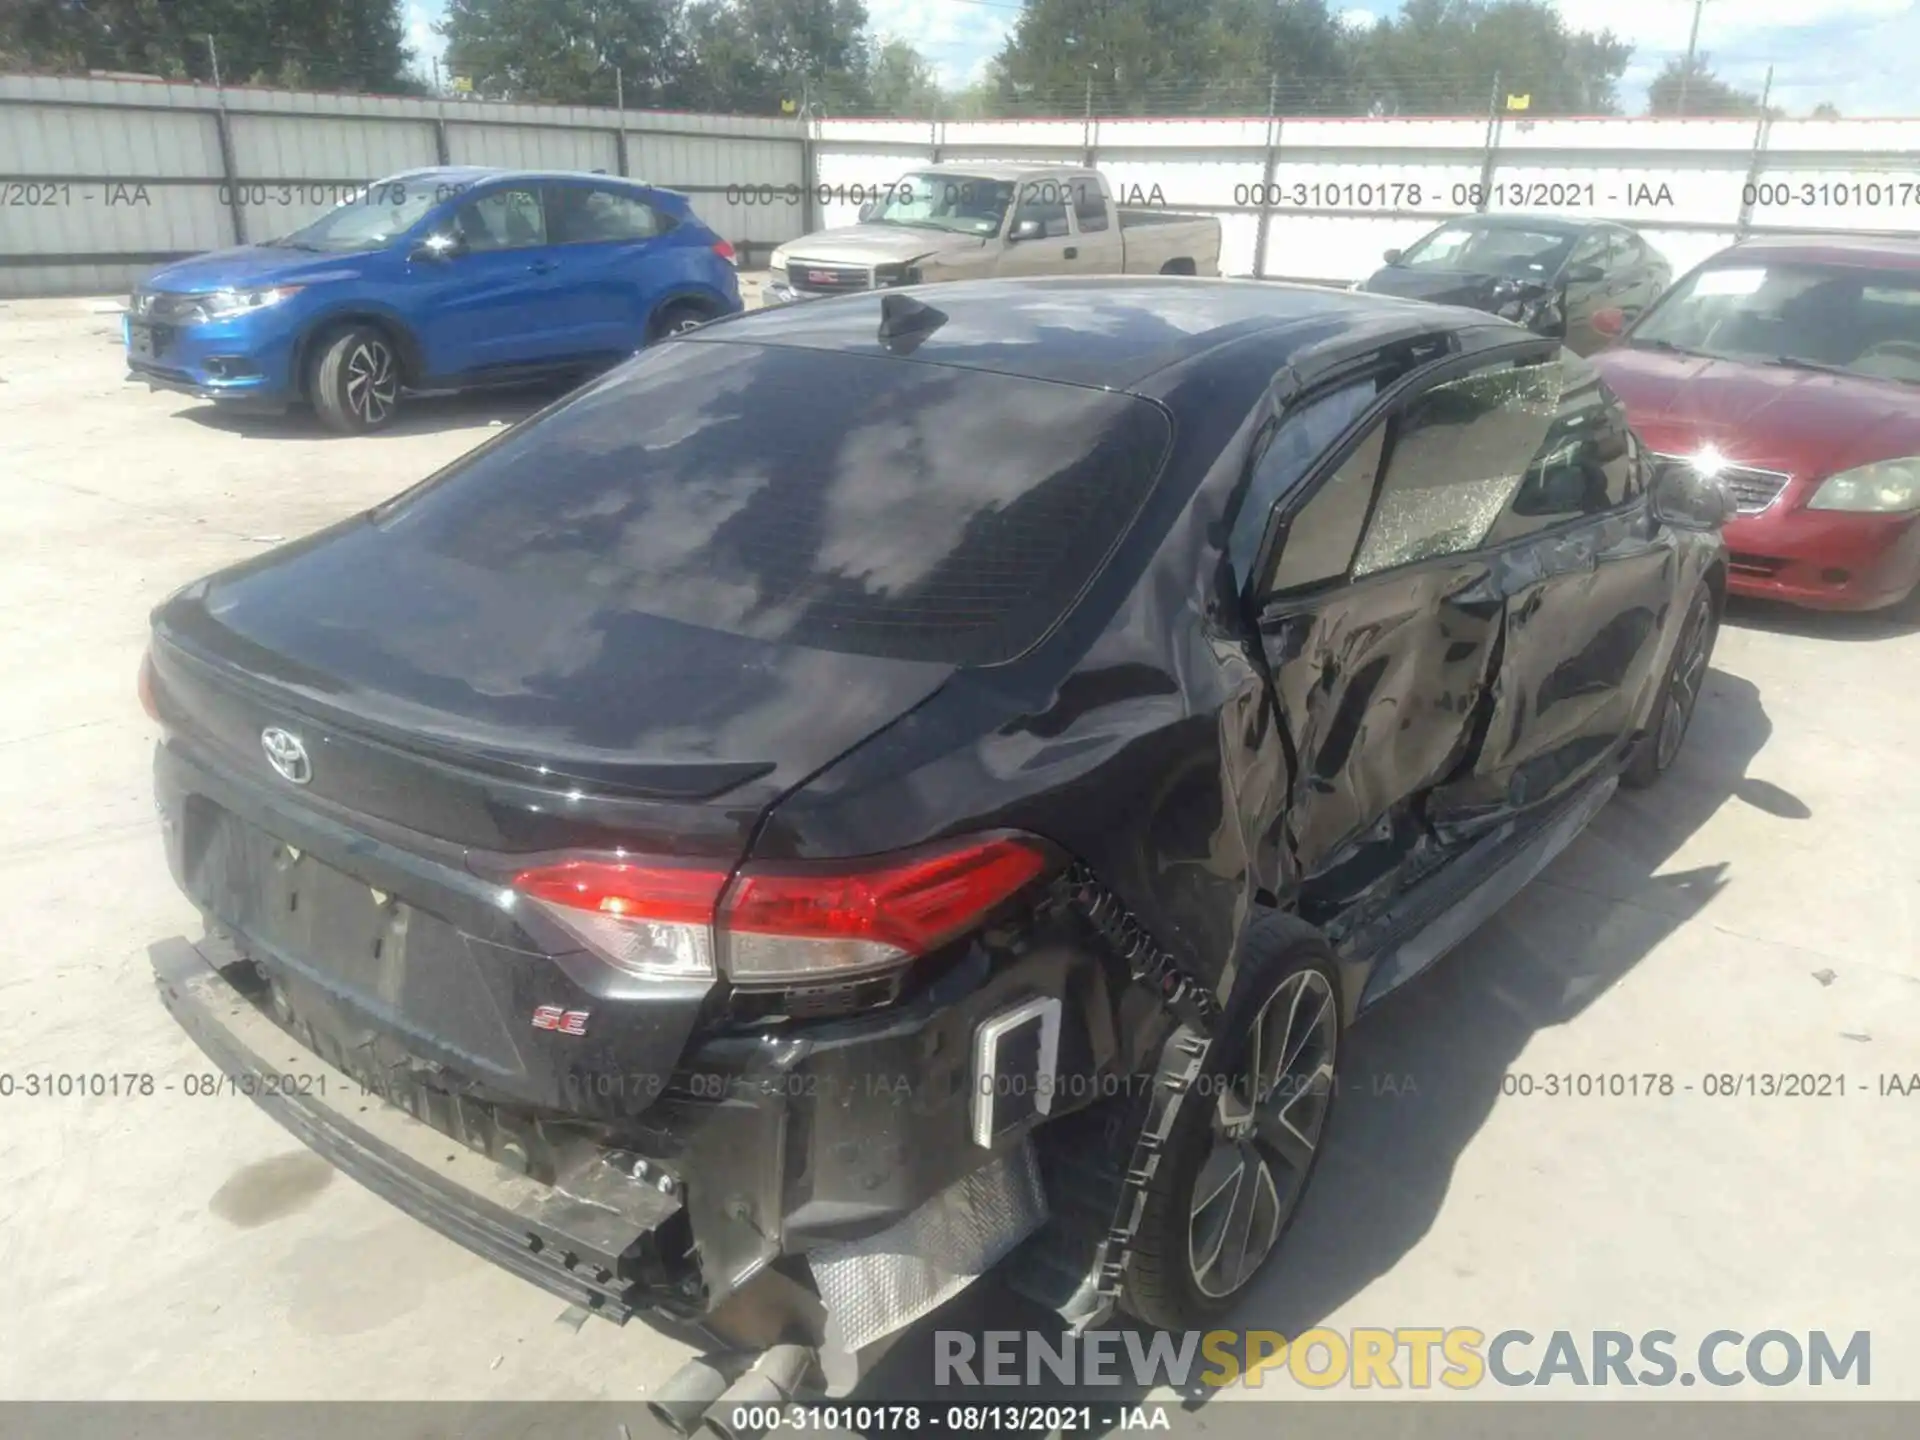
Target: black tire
{"x": 1177, "y": 1279}
{"x": 676, "y": 319}
{"x": 1177, "y": 267}
{"x": 355, "y": 384}
{"x": 1679, "y": 698}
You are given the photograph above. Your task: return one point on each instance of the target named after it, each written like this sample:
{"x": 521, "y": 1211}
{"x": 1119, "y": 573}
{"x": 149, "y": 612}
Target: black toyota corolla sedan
{"x": 1548, "y": 273}
{"x": 867, "y": 786}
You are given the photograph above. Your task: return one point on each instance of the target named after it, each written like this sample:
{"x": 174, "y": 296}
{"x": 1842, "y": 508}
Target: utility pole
{"x": 1693, "y": 46}
{"x": 1086, "y": 124}
{"x": 213, "y": 55}
{"x": 620, "y": 122}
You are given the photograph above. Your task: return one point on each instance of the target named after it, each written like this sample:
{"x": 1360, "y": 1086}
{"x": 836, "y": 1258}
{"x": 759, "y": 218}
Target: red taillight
{"x": 781, "y": 923}
{"x": 649, "y": 919}
{"x": 912, "y": 905}
{"x": 667, "y": 893}
{"x": 145, "y": 687}
{"x": 724, "y": 251}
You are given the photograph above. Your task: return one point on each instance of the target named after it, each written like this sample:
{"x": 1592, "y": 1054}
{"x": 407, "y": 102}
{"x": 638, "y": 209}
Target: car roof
{"x": 1113, "y": 332}
{"x": 1891, "y": 252}
{"x": 1538, "y": 224}
{"x": 474, "y": 174}
{"x": 996, "y": 169}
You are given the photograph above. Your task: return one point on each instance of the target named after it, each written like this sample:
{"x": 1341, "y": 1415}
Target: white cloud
{"x": 426, "y": 45}
{"x": 957, "y": 40}
{"x": 1663, "y": 24}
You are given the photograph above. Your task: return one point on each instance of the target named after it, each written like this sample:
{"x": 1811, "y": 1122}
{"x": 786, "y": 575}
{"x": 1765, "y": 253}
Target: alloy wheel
{"x": 372, "y": 382}
{"x": 684, "y": 324}
{"x": 1266, "y": 1127}
{"x": 1689, "y": 676}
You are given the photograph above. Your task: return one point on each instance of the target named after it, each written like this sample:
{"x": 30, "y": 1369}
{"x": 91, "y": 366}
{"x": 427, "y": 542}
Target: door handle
{"x": 1073, "y": 252}
{"x": 543, "y": 267}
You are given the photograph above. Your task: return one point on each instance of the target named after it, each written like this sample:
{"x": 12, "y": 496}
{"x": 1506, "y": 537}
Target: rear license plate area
{"x": 339, "y": 928}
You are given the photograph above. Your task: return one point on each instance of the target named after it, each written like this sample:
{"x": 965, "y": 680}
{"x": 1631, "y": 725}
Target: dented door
{"x": 1587, "y": 578}
{"x": 1385, "y": 646}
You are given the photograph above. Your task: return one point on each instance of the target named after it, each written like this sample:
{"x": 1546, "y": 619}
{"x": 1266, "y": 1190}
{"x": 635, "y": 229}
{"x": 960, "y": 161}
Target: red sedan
{"x": 1790, "y": 367}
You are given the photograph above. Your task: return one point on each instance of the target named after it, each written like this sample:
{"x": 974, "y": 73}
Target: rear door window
{"x": 590, "y": 214}
{"x": 834, "y": 501}
{"x": 1295, "y": 447}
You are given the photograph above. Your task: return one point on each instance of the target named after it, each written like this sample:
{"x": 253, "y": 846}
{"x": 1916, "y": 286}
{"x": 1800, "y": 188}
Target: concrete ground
{"x": 1756, "y": 914}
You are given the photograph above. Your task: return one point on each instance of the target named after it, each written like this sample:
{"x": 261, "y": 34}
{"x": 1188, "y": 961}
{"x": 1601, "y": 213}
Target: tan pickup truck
{"x": 963, "y": 221}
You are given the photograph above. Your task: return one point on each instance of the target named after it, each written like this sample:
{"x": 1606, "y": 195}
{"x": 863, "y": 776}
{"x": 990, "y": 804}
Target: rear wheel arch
{"x": 1278, "y": 952}
{"x": 1182, "y": 265}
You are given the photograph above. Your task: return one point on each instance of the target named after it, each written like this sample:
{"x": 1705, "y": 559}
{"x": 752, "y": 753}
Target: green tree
{"x": 1705, "y": 92}
{"x": 1444, "y": 57}
{"x": 1292, "y": 52}
{"x": 1119, "y": 56}
{"x": 982, "y": 100}
{"x": 1825, "y": 110}
{"x": 902, "y": 82}
{"x": 329, "y": 44}
{"x": 748, "y": 56}
{"x": 567, "y": 51}
{"x": 1438, "y": 57}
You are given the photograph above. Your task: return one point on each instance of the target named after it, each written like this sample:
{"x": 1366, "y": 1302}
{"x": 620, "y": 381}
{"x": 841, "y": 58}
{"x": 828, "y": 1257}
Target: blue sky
{"x": 1859, "y": 54}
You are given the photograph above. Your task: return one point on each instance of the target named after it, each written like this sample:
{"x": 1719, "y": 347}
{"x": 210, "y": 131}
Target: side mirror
{"x": 441, "y": 245}
{"x": 1027, "y": 230}
{"x": 1392, "y": 257}
{"x": 866, "y": 211}
{"x": 1688, "y": 500}
{"x": 1584, "y": 274}
{"x": 1609, "y": 322}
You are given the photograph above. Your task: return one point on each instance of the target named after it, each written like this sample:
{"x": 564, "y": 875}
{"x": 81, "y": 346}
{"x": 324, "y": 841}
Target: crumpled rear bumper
{"x": 608, "y": 1250}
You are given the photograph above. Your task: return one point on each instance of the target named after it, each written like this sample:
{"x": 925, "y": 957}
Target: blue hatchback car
{"x": 432, "y": 280}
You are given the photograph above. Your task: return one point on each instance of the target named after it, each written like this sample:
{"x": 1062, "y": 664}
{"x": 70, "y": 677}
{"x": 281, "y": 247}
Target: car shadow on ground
{"x": 1776, "y": 618}
{"x": 1423, "y": 1072}
{"x": 419, "y": 415}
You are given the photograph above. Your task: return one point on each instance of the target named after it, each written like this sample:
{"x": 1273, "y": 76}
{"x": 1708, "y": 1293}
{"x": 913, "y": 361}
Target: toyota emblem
{"x": 287, "y": 754}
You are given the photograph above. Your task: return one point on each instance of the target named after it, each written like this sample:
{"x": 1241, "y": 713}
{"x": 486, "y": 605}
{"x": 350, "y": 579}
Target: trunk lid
{"x": 454, "y": 700}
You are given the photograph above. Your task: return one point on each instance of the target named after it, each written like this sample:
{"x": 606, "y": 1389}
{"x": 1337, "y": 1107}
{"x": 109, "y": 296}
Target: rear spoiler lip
{"x": 626, "y": 779}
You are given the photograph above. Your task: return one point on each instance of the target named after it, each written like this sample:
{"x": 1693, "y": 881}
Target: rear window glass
{"x": 870, "y": 506}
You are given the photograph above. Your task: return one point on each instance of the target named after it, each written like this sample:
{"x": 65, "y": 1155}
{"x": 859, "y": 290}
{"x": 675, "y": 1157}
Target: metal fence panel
{"x": 144, "y": 171}
{"x": 328, "y": 147}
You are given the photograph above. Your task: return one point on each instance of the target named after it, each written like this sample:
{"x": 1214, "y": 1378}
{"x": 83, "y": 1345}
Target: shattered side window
{"x": 1460, "y": 450}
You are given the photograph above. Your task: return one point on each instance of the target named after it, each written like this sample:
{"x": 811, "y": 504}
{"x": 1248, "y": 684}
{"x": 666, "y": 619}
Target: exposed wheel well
{"x": 405, "y": 346}
{"x": 1181, "y": 266}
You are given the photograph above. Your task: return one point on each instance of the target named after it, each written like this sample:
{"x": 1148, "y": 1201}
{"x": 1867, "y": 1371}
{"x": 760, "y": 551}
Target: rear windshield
{"x": 867, "y": 505}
